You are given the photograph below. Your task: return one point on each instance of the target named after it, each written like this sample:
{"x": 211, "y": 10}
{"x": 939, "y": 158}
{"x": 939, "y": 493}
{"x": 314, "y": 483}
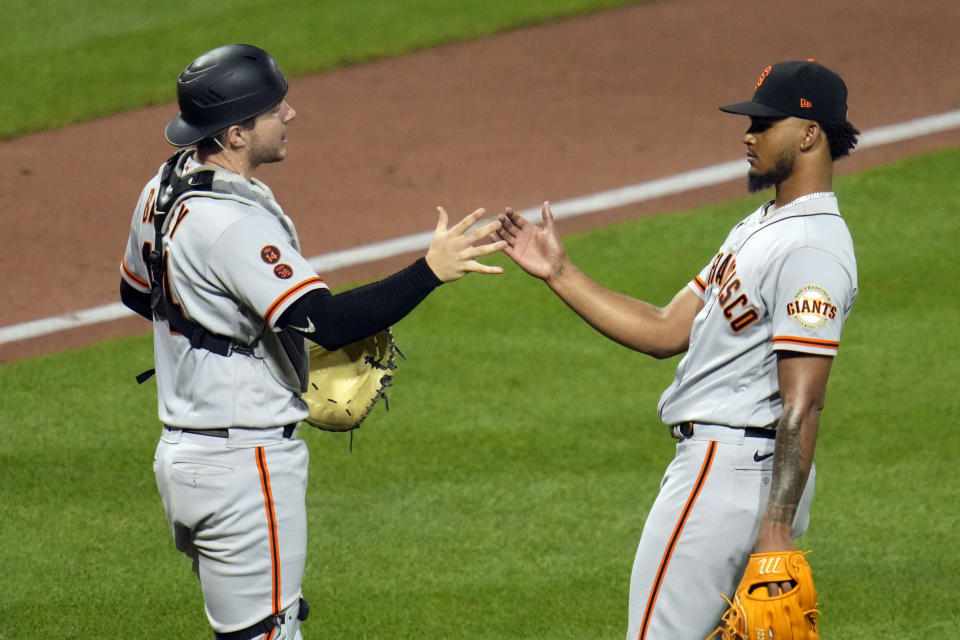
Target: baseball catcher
{"x": 216, "y": 264}
{"x": 789, "y": 614}
{"x": 346, "y": 383}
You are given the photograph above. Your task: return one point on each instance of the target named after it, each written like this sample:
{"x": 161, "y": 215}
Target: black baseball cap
{"x": 799, "y": 88}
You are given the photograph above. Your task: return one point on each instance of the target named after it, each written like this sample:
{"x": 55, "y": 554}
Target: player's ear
{"x": 233, "y": 138}
{"x": 811, "y": 135}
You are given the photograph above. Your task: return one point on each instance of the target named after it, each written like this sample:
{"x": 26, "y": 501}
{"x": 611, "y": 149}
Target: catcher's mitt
{"x": 346, "y": 383}
{"x": 755, "y": 615}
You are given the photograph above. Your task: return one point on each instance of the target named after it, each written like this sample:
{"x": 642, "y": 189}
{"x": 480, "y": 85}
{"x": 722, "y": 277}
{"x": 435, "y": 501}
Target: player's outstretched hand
{"x": 452, "y": 254}
{"x": 535, "y": 248}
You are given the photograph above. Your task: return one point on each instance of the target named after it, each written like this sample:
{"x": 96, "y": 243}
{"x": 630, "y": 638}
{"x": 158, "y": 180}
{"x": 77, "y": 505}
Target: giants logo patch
{"x": 812, "y": 307}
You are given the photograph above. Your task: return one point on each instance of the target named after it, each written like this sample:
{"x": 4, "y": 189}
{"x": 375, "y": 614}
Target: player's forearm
{"x": 803, "y": 385}
{"x": 341, "y": 319}
{"x": 634, "y": 323}
{"x": 792, "y": 461}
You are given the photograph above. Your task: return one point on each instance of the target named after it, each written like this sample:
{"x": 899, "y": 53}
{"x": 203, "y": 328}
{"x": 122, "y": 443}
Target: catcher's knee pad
{"x": 290, "y": 626}
{"x": 286, "y": 625}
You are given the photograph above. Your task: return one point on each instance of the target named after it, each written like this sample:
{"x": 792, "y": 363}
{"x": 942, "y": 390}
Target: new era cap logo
{"x": 805, "y": 104}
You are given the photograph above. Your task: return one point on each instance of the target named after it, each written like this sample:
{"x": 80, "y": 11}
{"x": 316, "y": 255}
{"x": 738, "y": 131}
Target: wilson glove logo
{"x": 766, "y": 566}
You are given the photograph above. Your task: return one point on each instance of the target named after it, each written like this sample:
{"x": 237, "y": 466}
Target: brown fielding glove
{"x": 346, "y": 383}
{"x": 755, "y": 615}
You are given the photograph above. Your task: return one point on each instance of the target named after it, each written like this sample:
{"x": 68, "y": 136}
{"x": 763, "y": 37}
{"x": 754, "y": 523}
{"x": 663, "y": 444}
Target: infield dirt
{"x": 550, "y": 112}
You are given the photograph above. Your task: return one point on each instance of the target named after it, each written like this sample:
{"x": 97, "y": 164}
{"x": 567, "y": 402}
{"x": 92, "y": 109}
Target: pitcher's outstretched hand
{"x": 535, "y": 248}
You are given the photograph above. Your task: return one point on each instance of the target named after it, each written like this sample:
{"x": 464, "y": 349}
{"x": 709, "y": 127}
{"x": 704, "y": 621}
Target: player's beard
{"x": 782, "y": 168}
{"x": 262, "y": 152}
{"x": 268, "y": 155}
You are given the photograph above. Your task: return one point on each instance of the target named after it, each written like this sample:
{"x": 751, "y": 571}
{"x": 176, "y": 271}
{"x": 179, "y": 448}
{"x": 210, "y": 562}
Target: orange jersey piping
{"x": 132, "y": 276}
{"x": 288, "y": 294}
{"x": 677, "y": 530}
{"x": 272, "y": 527}
{"x": 806, "y": 342}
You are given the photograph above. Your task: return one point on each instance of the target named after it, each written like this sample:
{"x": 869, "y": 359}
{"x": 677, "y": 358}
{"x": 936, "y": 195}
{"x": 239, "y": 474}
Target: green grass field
{"x": 64, "y": 61}
{"x": 504, "y": 493}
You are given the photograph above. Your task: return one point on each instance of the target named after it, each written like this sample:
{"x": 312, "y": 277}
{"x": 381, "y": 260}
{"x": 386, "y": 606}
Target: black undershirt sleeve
{"x": 135, "y": 300}
{"x": 346, "y": 317}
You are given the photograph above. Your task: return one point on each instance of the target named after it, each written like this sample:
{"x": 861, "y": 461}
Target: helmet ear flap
{"x": 223, "y": 87}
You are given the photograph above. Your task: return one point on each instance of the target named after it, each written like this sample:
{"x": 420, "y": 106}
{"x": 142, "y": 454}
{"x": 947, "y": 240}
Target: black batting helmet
{"x": 223, "y": 87}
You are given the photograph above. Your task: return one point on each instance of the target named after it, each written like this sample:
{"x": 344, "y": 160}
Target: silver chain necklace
{"x": 771, "y": 211}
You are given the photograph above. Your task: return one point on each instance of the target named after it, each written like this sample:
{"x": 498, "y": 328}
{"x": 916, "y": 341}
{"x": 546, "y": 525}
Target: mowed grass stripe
{"x": 66, "y": 61}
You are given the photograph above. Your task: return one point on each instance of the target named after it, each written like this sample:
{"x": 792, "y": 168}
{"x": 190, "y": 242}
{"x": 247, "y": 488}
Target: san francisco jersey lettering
{"x": 783, "y": 279}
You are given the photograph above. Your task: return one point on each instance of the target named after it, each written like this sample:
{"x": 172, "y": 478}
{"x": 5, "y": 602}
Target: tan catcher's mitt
{"x": 346, "y": 383}
{"x": 755, "y": 615}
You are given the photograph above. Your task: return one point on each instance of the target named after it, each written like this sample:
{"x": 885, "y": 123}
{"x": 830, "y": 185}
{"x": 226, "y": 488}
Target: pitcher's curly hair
{"x": 842, "y": 137}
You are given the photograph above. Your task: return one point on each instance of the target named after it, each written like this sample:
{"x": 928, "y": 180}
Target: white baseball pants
{"x": 699, "y": 533}
{"x": 237, "y": 506}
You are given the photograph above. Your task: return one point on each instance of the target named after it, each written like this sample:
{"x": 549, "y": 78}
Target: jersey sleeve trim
{"x": 699, "y": 287}
{"x": 796, "y": 343}
{"x": 133, "y": 278}
{"x": 289, "y": 294}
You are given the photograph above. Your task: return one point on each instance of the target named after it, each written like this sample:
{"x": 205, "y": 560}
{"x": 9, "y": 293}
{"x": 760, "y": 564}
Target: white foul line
{"x": 600, "y": 201}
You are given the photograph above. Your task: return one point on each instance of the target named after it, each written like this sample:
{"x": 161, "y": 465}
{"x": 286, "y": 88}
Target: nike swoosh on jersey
{"x": 760, "y": 458}
{"x": 307, "y": 329}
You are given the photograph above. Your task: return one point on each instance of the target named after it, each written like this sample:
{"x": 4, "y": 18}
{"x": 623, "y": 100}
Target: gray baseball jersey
{"x": 233, "y": 265}
{"x": 784, "y": 279}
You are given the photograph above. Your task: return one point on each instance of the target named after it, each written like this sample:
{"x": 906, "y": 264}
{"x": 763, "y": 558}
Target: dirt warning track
{"x": 550, "y": 112}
